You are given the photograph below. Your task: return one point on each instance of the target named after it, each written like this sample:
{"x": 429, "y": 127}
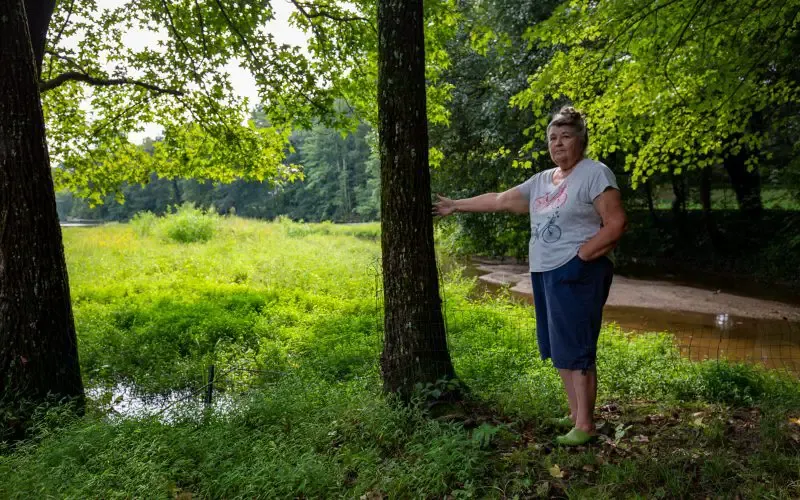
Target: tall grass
{"x": 298, "y": 304}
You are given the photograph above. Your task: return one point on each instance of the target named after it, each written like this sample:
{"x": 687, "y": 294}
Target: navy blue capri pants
{"x": 569, "y": 304}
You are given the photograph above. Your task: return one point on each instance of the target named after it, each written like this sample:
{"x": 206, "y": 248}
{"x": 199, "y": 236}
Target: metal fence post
{"x": 210, "y": 387}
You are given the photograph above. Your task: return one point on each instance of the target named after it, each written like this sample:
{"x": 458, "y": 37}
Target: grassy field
{"x": 293, "y": 308}
{"x": 725, "y": 199}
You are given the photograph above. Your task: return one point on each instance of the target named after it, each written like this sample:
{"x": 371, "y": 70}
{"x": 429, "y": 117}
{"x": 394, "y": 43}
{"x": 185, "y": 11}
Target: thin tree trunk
{"x": 705, "y": 189}
{"x": 176, "y": 191}
{"x": 679, "y": 205}
{"x": 415, "y": 344}
{"x": 705, "y": 202}
{"x": 648, "y": 189}
{"x": 746, "y": 184}
{"x": 38, "y": 352}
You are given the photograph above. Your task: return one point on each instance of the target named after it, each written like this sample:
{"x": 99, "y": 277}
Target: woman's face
{"x": 566, "y": 148}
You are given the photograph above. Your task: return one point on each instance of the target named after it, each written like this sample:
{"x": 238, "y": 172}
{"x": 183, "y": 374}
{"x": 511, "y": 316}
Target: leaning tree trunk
{"x": 38, "y": 352}
{"x": 415, "y": 344}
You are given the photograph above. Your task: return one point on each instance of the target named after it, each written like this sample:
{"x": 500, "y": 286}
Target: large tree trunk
{"x": 38, "y": 352}
{"x": 746, "y": 184}
{"x": 415, "y": 344}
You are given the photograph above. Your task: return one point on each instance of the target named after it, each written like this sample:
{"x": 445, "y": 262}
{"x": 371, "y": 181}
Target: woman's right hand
{"x": 444, "y": 207}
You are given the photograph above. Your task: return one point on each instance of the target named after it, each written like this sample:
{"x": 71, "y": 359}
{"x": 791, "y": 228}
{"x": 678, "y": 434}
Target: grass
{"x": 296, "y": 303}
{"x": 725, "y": 199}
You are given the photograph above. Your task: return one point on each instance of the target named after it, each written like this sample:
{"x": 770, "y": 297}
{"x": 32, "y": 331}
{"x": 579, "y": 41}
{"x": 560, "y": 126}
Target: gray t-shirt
{"x": 563, "y": 217}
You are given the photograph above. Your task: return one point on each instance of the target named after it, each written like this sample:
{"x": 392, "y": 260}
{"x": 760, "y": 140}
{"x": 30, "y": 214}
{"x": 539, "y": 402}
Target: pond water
{"x": 774, "y": 343}
{"x": 125, "y": 401}
{"x": 81, "y": 224}
{"x": 771, "y": 342}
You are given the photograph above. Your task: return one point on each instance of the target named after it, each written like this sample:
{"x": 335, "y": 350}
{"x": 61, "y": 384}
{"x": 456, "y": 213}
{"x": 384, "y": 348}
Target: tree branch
{"x": 193, "y": 66}
{"x": 202, "y": 28}
{"x": 301, "y": 7}
{"x": 57, "y": 38}
{"x": 255, "y": 58}
{"x": 75, "y": 76}
{"x": 66, "y": 59}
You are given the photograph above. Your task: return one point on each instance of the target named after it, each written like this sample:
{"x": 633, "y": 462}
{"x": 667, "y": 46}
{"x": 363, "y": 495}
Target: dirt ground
{"x": 662, "y": 295}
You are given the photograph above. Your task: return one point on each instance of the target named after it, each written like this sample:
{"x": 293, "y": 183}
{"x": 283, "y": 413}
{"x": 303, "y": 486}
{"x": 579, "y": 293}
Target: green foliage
{"x": 641, "y": 366}
{"x": 297, "y": 302}
{"x": 737, "y": 252}
{"x": 305, "y": 437}
{"x": 144, "y": 223}
{"x": 183, "y": 84}
{"x": 672, "y": 85}
{"x": 342, "y": 177}
{"x": 155, "y": 315}
{"x": 368, "y": 231}
{"x": 335, "y": 176}
{"x": 185, "y": 224}
{"x": 479, "y": 148}
{"x": 189, "y": 224}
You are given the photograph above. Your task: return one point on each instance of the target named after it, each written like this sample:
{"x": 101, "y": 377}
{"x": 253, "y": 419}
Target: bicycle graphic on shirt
{"x": 550, "y": 232}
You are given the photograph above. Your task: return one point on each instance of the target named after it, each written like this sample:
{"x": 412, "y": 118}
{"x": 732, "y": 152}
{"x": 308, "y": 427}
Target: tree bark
{"x": 648, "y": 189}
{"x": 679, "y": 207}
{"x": 39, "y": 13}
{"x": 705, "y": 189}
{"x": 38, "y": 350}
{"x": 746, "y": 184}
{"x": 176, "y": 191}
{"x": 415, "y": 343}
{"x": 708, "y": 215}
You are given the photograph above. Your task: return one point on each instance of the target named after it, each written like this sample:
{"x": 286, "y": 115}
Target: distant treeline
{"x": 340, "y": 183}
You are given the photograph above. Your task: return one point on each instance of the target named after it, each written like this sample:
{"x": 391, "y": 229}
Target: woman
{"x": 576, "y": 220}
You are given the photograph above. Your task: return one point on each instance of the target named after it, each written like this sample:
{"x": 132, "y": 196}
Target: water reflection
{"x": 723, "y": 321}
{"x": 125, "y": 401}
{"x": 772, "y": 343}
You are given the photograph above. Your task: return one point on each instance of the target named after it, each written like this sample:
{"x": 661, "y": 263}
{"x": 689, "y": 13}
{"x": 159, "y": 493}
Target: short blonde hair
{"x": 569, "y": 116}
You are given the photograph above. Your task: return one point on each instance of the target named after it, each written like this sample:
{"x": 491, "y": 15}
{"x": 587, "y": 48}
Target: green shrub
{"x": 184, "y": 224}
{"x": 144, "y": 223}
{"x": 189, "y": 224}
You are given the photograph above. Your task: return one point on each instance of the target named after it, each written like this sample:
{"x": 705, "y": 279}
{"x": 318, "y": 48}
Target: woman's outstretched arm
{"x": 508, "y": 201}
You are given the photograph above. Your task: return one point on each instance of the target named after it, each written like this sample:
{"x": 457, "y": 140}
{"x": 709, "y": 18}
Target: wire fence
{"x": 771, "y": 344}
{"x": 767, "y": 344}
{"x": 474, "y": 329}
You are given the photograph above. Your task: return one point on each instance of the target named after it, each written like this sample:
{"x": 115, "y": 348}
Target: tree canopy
{"x": 673, "y": 84}
{"x": 98, "y": 87}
